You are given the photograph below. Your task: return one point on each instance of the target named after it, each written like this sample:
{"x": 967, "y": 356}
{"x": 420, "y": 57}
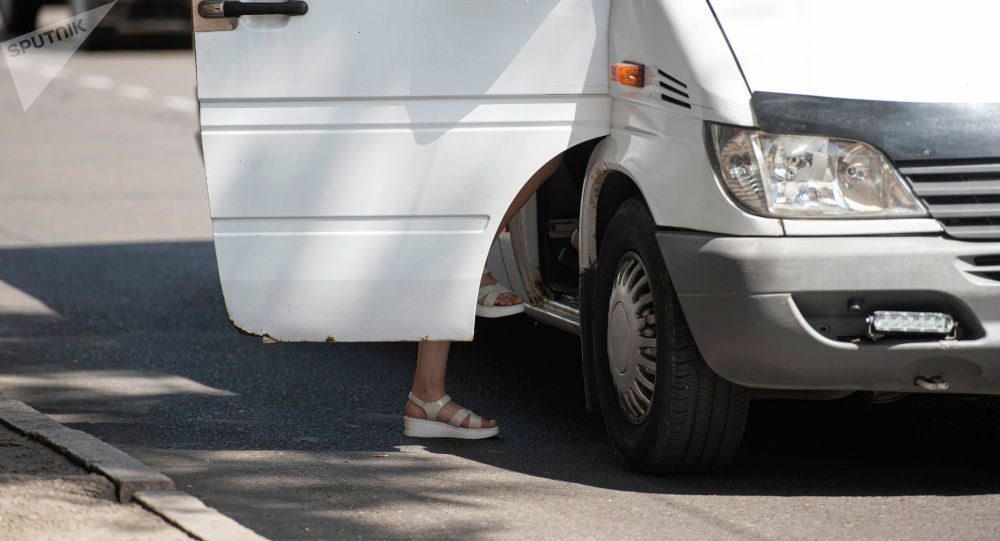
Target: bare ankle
{"x": 487, "y": 280}
{"x": 427, "y": 393}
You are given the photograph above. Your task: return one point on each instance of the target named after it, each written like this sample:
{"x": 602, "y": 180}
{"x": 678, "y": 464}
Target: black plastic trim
{"x": 666, "y": 75}
{"x": 905, "y": 131}
{"x": 675, "y": 101}
{"x": 674, "y": 90}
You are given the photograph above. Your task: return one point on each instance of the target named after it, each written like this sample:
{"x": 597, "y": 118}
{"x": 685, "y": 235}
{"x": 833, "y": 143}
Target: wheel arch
{"x": 606, "y": 187}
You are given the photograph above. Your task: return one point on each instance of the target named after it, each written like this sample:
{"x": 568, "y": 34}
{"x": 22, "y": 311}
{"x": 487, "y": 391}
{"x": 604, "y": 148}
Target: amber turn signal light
{"x": 627, "y": 74}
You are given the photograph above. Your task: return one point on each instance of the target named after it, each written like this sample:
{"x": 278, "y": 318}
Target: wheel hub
{"x": 619, "y": 339}
{"x": 632, "y": 338}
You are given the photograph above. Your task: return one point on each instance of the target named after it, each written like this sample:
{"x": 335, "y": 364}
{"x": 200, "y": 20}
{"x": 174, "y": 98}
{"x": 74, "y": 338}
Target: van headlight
{"x": 796, "y": 176}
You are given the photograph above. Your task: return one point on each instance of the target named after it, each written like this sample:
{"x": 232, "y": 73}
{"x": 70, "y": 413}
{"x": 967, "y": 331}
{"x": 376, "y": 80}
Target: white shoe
{"x": 490, "y": 294}
{"x": 425, "y": 428}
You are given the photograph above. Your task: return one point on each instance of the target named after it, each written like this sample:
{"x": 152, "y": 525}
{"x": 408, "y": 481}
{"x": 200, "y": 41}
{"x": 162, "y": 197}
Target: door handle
{"x": 214, "y": 9}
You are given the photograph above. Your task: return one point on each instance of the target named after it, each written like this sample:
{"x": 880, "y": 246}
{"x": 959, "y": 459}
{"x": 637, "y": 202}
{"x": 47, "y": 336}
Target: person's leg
{"x": 522, "y": 197}
{"x": 432, "y": 357}
{"x": 529, "y": 190}
{"x": 428, "y": 382}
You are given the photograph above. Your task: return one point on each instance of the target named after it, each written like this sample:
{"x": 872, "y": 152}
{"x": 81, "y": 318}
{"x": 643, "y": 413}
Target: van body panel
{"x": 356, "y": 184}
{"x": 659, "y": 143}
{"x": 400, "y": 48}
{"x": 891, "y": 50}
{"x": 687, "y": 60}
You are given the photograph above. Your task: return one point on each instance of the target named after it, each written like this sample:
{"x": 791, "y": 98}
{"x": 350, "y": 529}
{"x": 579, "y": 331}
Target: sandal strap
{"x": 491, "y": 293}
{"x": 431, "y": 408}
{"x": 475, "y": 421}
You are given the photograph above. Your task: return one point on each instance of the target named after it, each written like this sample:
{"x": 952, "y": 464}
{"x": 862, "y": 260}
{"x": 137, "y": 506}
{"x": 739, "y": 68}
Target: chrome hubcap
{"x": 632, "y": 338}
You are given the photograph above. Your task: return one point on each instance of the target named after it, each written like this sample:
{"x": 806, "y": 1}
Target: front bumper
{"x": 775, "y": 312}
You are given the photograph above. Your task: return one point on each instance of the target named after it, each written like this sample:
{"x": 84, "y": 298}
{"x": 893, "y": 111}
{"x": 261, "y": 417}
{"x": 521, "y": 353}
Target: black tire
{"x": 694, "y": 419}
{"x": 19, "y": 15}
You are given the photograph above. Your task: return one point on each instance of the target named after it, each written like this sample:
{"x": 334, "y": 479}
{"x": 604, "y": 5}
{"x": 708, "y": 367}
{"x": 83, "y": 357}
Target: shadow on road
{"x": 138, "y": 339}
{"x": 944, "y": 445}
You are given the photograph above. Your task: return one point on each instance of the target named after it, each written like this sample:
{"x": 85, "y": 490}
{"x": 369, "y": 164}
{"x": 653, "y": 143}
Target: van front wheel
{"x": 665, "y": 410}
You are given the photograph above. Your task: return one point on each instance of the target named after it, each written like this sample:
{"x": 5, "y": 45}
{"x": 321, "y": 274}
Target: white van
{"x": 775, "y": 197}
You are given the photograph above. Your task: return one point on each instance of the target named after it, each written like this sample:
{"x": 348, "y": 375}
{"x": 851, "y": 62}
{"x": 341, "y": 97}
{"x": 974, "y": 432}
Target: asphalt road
{"x": 112, "y": 321}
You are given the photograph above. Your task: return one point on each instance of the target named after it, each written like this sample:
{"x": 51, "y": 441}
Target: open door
{"x": 360, "y": 155}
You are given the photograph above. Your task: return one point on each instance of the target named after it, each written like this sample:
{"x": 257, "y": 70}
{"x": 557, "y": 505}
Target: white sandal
{"x": 490, "y": 294}
{"x": 426, "y": 428}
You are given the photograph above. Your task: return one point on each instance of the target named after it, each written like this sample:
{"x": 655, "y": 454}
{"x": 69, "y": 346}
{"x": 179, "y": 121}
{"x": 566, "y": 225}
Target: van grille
{"x": 965, "y": 198}
{"x": 986, "y": 266}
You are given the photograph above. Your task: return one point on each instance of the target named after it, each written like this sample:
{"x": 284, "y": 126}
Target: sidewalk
{"x": 45, "y": 496}
{"x": 89, "y": 490}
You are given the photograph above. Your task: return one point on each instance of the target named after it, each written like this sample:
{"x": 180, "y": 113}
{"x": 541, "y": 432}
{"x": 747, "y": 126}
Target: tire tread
{"x": 705, "y": 414}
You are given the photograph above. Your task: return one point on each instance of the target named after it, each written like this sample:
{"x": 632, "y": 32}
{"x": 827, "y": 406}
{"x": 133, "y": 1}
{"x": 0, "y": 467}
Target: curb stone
{"x": 133, "y": 480}
{"x": 193, "y": 517}
{"x": 128, "y": 474}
